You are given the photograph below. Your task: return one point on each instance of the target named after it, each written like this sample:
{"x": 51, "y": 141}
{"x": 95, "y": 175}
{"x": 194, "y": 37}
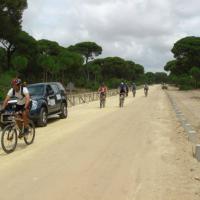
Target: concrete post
{"x": 197, "y": 152}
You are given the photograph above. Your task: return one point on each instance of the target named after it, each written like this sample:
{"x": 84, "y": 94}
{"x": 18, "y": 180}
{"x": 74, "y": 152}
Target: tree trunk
{"x": 8, "y": 58}
{"x": 88, "y": 74}
{"x": 87, "y": 71}
{"x": 10, "y": 51}
{"x": 46, "y": 76}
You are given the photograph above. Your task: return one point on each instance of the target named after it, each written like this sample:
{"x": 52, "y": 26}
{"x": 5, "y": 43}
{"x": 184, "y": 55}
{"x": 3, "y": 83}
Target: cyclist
{"x": 21, "y": 93}
{"x": 122, "y": 88}
{"x": 134, "y": 89}
{"x": 146, "y": 88}
{"x": 122, "y": 93}
{"x": 103, "y": 89}
{"x": 127, "y": 89}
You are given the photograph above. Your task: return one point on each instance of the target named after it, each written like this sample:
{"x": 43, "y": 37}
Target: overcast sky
{"x": 140, "y": 30}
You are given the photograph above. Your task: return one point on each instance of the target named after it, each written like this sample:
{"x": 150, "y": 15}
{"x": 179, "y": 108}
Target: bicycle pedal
{"x": 21, "y": 135}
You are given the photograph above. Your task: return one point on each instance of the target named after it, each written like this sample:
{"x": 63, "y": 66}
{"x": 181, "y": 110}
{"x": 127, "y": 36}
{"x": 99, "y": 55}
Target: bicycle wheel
{"x": 9, "y": 139}
{"x": 100, "y": 103}
{"x": 29, "y": 138}
{"x": 122, "y": 103}
{"x": 104, "y": 103}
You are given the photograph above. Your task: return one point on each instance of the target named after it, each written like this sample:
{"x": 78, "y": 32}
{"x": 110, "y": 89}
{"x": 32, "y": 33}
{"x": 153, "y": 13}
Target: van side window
{"x": 49, "y": 90}
{"x": 55, "y": 89}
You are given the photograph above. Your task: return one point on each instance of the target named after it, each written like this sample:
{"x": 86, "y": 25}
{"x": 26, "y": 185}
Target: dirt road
{"x": 138, "y": 152}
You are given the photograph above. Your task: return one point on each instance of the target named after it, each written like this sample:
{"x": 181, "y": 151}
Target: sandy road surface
{"x": 135, "y": 153}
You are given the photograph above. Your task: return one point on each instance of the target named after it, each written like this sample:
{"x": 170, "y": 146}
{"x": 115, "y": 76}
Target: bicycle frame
{"x": 15, "y": 120}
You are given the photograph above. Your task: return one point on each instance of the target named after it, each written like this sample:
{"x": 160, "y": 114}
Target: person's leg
{"x": 25, "y": 117}
{"x": 18, "y": 109}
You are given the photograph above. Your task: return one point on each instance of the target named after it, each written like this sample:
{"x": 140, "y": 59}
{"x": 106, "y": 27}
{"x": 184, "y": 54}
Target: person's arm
{"x": 27, "y": 97}
{"x": 27, "y": 101}
{"x": 5, "y": 103}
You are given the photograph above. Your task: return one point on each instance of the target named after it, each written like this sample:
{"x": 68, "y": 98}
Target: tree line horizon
{"x": 44, "y": 60}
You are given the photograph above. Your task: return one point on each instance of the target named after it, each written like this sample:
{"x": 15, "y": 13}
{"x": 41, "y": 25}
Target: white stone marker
{"x": 197, "y": 152}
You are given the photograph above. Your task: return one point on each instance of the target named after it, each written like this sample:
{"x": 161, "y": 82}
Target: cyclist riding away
{"x": 127, "y": 89}
{"x": 146, "y": 88}
{"x": 134, "y": 89}
{"x": 102, "y": 91}
{"x": 122, "y": 88}
{"x": 122, "y": 94}
{"x": 21, "y": 93}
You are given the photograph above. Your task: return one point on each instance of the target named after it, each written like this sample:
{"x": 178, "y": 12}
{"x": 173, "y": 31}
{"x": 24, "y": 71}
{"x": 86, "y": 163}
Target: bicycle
{"x": 134, "y": 93}
{"x": 12, "y": 131}
{"x": 146, "y": 92}
{"x": 102, "y": 100}
{"x": 121, "y": 99}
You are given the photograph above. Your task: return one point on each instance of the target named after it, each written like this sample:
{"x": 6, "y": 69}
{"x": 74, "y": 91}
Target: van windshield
{"x": 36, "y": 90}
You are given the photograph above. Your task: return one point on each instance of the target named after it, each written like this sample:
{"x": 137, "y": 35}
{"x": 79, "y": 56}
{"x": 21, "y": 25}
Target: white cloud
{"x": 141, "y": 30}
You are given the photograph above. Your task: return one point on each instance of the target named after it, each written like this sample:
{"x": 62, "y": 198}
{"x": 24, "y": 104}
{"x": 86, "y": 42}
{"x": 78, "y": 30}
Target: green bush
{"x": 185, "y": 82}
{"x": 113, "y": 83}
{"x": 5, "y": 79}
{"x": 186, "y": 87}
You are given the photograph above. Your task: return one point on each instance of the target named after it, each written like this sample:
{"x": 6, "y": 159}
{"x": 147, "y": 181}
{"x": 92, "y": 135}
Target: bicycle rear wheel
{"x": 29, "y": 138}
{"x": 9, "y": 139}
{"x": 101, "y": 104}
{"x": 104, "y": 103}
{"x": 120, "y": 102}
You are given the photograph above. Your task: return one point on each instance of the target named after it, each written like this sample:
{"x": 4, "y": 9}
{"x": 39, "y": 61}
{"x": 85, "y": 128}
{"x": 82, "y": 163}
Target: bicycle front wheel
{"x": 30, "y": 136}
{"x": 9, "y": 139}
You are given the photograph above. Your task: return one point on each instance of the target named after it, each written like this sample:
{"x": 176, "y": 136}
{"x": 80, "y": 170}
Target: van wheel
{"x": 43, "y": 117}
{"x": 64, "y": 111}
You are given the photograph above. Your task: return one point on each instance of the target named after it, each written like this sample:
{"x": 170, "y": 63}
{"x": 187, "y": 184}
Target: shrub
{"x": 185, "y": 82}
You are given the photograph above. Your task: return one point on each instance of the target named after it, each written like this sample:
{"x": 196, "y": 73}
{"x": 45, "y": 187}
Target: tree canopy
{"x": 187, "y": 61}
{"x": 10, "y": 19}
{"x": 45, "y": 60}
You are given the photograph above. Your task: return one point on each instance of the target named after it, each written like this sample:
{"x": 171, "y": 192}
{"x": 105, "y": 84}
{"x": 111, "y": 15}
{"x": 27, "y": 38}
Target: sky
{"x": 143, "y": 31}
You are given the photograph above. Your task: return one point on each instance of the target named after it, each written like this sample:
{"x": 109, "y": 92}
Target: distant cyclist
{"x": 127, "y": 89}
{"x": 122, "y": 88}
{"x": 21, "y": 93}
{"x": 146, "y": 89}
{"x": 134, "y": 89}
{"x": 103, "y": 92}
{"x": 103, "y": 89}
{"x": 122, "y": 94}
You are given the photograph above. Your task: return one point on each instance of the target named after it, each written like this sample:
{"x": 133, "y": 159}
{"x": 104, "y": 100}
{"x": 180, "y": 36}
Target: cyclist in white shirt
{"x": 23, "y": 101}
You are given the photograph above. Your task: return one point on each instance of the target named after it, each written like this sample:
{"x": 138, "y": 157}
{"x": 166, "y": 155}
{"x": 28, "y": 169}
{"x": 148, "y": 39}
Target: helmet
{"x": 16, "y": 81}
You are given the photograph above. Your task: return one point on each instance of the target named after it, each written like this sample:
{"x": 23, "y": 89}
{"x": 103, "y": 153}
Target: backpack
{"x": 21, "y": 90}
{"x": 146, "y": 87}
{"x": 122, "y": 88}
